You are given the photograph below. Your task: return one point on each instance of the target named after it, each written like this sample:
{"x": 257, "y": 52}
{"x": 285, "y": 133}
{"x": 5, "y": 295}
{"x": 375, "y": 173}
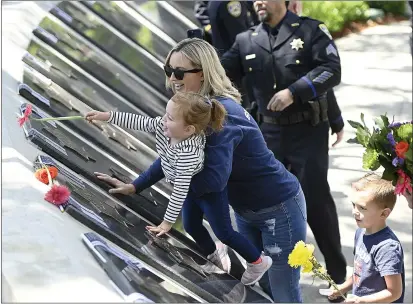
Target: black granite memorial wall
{"x": 109, "y": 56}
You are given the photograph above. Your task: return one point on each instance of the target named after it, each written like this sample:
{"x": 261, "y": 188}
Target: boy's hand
{"x": 163, "y": 228}
{"x": 335, "y": 293}
{"x": 353, "y": 299}
{"x": 96, "y": 115}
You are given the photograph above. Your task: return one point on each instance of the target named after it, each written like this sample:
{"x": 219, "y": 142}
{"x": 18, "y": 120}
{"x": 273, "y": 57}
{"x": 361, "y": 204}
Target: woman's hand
{"x": 163, "y": 228}
{"x": 96, "y": 115}
{"x": 119, "y": 187}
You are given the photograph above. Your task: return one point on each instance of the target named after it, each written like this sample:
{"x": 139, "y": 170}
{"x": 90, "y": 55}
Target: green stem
{"x": 59, "y": 118}
{"x": 327, "y": 278}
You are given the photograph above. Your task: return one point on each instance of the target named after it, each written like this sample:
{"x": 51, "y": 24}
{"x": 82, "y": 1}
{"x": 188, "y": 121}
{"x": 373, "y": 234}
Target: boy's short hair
{"x": 381, "y": 189}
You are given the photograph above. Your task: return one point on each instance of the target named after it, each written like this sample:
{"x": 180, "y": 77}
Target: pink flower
{"x": 58, "y": 195}
{"x": 403, "y": 183}
{"x": 26, "y": 115}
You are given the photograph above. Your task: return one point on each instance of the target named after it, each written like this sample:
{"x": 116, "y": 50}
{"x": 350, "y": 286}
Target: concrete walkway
{"x": 376, "y": 79}
{"x": 43, "y": 257}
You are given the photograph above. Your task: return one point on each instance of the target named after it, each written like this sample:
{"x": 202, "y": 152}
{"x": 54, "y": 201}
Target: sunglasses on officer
{"x": 179, "y": 74}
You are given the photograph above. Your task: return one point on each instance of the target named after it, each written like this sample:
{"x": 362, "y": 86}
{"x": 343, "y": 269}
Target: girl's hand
{"x": 163, "y": 228}
{"x": 96, "y": 115}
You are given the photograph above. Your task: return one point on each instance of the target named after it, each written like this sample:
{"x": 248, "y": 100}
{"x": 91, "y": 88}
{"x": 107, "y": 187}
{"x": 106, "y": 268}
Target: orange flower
{"x": 41, "y": 174}
{"x": 401, "y": 148}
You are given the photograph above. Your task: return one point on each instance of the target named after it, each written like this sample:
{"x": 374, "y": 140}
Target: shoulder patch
{"x": 234, "y": 8}
{"x": 324, "y": 28}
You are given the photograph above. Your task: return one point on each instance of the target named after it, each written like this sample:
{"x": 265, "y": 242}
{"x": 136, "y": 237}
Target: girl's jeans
{"x": 276, "y": 230}
{"x": 216, "y": 209}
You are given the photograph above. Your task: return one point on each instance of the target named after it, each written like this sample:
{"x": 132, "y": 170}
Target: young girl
{"x": 180, "y": 143}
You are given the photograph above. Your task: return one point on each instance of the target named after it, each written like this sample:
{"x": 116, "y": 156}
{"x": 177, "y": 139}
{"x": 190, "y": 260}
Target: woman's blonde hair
{"x": 201, "y": 112}
{"x": 202, "y": 55}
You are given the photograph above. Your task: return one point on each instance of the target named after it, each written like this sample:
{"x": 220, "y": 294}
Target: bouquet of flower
{"x": 388, "y": 145}
{"x": 58, "y": 195}
{"x": 303, "y": 256}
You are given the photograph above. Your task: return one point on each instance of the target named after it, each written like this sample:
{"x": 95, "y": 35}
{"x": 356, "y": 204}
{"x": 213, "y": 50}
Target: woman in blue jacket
{"x": 269, "y": 205}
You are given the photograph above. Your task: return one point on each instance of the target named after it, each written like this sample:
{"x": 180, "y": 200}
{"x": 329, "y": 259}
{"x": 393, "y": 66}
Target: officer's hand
{"x": 280, "y": 100}
{"x": 339, "y": 137}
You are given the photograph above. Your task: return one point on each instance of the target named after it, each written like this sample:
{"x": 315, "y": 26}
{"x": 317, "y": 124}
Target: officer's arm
{"x": 231, "y": 61}
{"x": 334, "y": 113}
{"x": 233, "y": 16}
{"x": 201, "y": 12}
{"x": 219, "y": 152}
{"x": 149, "y": 177}
{"x": 327, "y": 71}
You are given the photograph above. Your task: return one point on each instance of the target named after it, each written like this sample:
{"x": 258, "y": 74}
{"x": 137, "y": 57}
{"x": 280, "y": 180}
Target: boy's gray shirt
{"x": 375, "y": 256}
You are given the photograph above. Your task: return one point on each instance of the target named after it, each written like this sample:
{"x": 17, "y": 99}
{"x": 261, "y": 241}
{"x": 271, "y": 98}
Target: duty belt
{"x": 291, "y": 119}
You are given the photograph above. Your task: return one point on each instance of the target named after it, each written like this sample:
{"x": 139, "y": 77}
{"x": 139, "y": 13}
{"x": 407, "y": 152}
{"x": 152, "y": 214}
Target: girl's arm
{"x": 135, "y": 122}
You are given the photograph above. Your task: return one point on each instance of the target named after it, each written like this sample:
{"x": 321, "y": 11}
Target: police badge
{"x": 234, "y": 8}
{"x": 325, "y": 30}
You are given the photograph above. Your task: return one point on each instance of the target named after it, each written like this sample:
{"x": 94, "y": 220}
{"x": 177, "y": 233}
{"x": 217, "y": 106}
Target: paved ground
{"x": 377, "y": 78}
{"x": 43, "y": 258}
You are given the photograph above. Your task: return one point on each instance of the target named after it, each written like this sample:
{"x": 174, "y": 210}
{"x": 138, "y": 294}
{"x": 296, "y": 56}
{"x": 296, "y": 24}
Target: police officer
{"x": 293, "y": 62}
{"x": 201, "y": 14}
{"x": 222, "y": 22}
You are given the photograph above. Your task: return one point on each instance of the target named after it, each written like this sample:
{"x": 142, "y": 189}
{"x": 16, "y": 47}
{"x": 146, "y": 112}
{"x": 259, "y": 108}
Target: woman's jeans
{"x": 216, "y": 209}
{"x": 276, "y": 230}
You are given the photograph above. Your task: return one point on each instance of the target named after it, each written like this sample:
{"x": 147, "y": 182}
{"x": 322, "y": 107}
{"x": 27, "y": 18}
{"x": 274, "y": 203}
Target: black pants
{"x": 303, "y": 149}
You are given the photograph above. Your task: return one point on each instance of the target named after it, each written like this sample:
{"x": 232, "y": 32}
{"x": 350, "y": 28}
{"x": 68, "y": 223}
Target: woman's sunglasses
{"x": 179, "y": 74}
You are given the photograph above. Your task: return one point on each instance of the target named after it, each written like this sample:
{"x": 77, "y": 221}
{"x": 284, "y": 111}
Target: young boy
{"x": 378, "y": 275}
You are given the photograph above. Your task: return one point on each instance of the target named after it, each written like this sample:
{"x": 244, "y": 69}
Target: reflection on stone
{"x": 178, "y": 257}
{"x": 110, "y": 72}
{"x": 135, "y": 27}
{"x": 130, "y": 55}
{"x": 156, "y": 12}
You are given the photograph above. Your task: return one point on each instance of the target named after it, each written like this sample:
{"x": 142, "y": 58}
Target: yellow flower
{"x": 307, "y": 267}
{"x": 300, "y": 255}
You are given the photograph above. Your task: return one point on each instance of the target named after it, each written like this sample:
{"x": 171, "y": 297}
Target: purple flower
{"x": 391, "y": 140}
{"x": 395, "y": 125}
{"x": 397, "y": 161}
{"x": 398, "y": 124}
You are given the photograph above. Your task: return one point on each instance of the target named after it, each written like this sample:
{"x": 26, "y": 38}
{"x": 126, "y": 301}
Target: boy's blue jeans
{"x": 276, "y": 230}
{"x": 216, "y": 209}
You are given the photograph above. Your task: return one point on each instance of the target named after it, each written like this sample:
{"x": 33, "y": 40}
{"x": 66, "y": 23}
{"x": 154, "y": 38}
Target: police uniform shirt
{"x": 228, "y": 19}
{"x": 302, "y": 58}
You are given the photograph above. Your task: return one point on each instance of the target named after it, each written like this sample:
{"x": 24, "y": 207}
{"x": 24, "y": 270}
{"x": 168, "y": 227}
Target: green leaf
{"x": 362, "y": 136}
{"x": 409, "y": 168}
{"x": 409, "y": 154}
{"x": 385, "y": 120}
{"x": 364, "y": 123}
{"x": 353, "y": 141}
{"x": 405, "y": 132}
{"x": 389, "y": 174}
{"x": 379, "y": 122}
{"x": 371, "y": 160}
{"x": 355, "y": 124}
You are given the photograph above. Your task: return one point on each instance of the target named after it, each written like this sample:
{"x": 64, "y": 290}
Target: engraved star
{"x": 297, "y": 44}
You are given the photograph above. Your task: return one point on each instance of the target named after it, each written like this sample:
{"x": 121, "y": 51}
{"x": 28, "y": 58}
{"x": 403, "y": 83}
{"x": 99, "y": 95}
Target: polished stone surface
{"x": 160, "y": 14}
{"x": 107, "y": 70}
{"x": 51, "y": 98}
{"x": 130, "y": 23}
{"x": 168, "y": 255}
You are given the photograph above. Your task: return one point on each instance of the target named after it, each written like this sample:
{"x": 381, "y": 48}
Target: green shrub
{"x": 335, "y": 14}
{"x": 397, "y": 8}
